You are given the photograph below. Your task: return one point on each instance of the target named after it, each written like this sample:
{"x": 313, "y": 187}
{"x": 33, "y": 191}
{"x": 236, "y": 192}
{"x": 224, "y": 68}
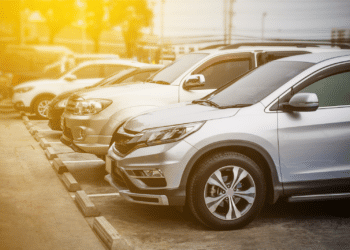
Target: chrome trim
{"x": 162, "y": 199}
{"x": 318, "y": 197}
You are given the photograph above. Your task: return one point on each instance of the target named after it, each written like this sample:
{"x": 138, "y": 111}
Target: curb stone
{"x": 109, "y": 235}
{"x": 85, "y": 204}
{"x": 71, "y": 184}
{"x": 59, "y": 166}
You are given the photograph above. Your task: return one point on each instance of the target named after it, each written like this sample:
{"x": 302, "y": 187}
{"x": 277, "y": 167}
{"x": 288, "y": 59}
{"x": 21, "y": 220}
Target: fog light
{"x": 153, "y": 172}
{"x": 81, "y": 133}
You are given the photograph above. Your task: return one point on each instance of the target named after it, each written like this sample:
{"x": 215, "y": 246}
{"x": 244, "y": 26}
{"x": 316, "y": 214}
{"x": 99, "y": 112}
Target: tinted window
{"x": 259, "y": 83}
{"x": 112, "y": 69}
{"x": 178, "y": 67}
{"x": 90, "y": 71}
{"x": 270, "y": 56}
{"x": 331, "y": 91}
{"x": 223, "y": 72}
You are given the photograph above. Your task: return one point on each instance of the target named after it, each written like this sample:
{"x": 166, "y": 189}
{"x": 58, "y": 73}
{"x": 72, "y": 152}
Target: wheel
{"x": 227, "y": 191}
{"x": 41, "y": 106}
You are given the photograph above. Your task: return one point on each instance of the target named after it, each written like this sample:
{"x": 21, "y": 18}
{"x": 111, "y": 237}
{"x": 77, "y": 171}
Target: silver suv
{"x": 91, "y": 119}
{"x": 282, "y": 130}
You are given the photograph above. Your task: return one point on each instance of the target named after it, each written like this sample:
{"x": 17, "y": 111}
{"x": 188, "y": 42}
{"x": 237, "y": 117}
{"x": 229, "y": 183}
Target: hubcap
{"x": 43, "y": 108}
{"x": 229, "y": 192}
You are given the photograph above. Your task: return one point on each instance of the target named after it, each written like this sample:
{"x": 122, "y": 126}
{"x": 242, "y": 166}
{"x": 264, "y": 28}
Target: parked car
{"x": 91, "y": 119}
{"x": 27, "y": 62}
{"x": 282, "y": 130}
{"x": 68, "y": 62}
{"x": 136, "y": 74}
{"x": 34, "y": 96}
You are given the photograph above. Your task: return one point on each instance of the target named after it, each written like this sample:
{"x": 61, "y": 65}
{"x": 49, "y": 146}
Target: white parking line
{"x": 98, "y": 195}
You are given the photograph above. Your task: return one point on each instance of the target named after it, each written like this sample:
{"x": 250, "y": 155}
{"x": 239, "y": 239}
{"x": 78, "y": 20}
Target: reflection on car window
{"x": 178, "y": 67}
{"x": 259, "y": 83}
{"x": 112, "y": 69}
{"x": 331, "y": 91}
{"x": 221, "y": 73}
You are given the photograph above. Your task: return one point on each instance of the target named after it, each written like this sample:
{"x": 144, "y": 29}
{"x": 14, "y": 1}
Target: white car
{"x": 34, "y": 96}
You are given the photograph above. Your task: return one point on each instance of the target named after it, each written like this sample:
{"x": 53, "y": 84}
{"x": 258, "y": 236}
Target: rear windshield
{"x": 258, "y": 84}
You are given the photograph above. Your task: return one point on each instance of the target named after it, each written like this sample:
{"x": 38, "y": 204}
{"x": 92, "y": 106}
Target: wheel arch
{"x": 251, "y": 150}
{"x": 38, "y": 97}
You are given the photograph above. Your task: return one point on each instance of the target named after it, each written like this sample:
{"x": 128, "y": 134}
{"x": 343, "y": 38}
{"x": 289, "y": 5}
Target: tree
{"x": 131, "y": 15}
{"x": 58, "y": 13}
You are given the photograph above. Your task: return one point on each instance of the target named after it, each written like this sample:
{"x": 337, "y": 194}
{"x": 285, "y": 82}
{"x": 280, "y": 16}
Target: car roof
{"x": 317, "y": 57}
{"x": 115, "y": 61}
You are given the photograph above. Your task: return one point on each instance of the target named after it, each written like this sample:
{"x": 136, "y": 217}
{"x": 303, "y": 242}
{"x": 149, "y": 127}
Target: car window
{"x": 265, "y": 57}
{"x": 90, "y": 71}
{"x": 110, "y": 69}
{"x": 139, "y": 77}
{"x": 257, "y": 84}
{"x": 331, "y": 91}
{"x": 221, "y": 73}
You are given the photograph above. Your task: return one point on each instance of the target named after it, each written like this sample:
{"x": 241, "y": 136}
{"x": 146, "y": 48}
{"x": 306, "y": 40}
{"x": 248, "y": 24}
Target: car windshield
{"x": 114, "y": 77}
{"x": 178, "y": 67}
{"x": 256, "y": 85}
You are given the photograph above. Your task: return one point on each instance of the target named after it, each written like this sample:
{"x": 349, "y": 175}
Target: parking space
{"x": 308, "y": 225}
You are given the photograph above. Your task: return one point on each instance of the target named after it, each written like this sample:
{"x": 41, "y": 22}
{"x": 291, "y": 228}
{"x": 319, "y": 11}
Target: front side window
{"x": 112, "y": 69}
{"x": 221, "y": 73}
{"x": 331, "y": 91}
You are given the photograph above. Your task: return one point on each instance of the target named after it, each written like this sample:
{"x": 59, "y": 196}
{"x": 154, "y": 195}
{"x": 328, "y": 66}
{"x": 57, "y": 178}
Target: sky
{"x": 285, "y": 19}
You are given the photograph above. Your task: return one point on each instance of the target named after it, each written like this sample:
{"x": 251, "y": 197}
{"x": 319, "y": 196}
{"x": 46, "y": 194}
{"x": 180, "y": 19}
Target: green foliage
{"x": 58, "y": 13}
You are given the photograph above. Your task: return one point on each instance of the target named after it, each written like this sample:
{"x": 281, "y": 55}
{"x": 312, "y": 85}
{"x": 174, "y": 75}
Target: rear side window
{"x": 266, "y": 57}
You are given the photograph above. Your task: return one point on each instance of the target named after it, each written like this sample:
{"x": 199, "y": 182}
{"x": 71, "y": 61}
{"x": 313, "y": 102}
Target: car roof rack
{"x": 284, "y": 43}
{"x": 215, "y": 46}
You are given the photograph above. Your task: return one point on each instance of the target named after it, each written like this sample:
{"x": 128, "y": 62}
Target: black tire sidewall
{"x": 200, "y": 178}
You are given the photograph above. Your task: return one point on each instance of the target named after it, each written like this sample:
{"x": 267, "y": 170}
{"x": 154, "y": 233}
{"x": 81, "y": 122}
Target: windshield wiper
{"x": 236, "y": 106}
{"x": 210, "y": 103}
{"x": 158, "y": 82}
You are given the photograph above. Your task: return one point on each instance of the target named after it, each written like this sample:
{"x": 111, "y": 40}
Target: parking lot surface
{"x": 308, "y": 225}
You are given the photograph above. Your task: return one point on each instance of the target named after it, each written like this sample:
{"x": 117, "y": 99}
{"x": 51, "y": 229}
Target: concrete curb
{"x": 85, "y": 204}
{"x": 71, "y": 184}
{"x": 25, "y": 119}
{"x": 44, "y": 143}
{"x": 50, "y": 153}
{"x": 59, "y": 166}
{"x": 29, "y": 125}
{"x": 109, "y": 235}
{"x": 33, "y": 131}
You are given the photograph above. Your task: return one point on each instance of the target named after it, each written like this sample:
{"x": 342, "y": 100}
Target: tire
{"x": 41, "y": 106}
{"x": 226, "y": 207}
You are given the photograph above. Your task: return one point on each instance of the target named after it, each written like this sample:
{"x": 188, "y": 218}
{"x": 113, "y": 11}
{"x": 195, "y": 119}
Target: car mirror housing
{"x": 70, "y": 78}
{"x": 193, "y": 81}
{"x": 302, "y": 102}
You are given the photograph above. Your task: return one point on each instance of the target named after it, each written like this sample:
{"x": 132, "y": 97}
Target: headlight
{"x": 62, "y": 103}
{"x": 156, "y": 136}
{"x": 90, "y": 107}
{"x": 23, "y": 90}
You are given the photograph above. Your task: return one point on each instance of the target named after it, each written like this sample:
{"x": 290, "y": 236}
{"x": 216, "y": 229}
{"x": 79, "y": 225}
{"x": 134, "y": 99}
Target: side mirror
{"x": 193, "y": 81}
{"x": 70, "y": 78}
{"x": 303, "y": 102}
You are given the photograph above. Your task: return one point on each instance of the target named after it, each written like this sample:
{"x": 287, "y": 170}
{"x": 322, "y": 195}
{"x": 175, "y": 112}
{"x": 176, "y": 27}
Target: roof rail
{"x": 215, "y": 46}
{"x": 284, "y": 43}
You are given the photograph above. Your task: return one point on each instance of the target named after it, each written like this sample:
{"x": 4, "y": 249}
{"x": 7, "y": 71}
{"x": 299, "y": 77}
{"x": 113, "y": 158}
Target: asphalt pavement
{"x": 36, "y": 211}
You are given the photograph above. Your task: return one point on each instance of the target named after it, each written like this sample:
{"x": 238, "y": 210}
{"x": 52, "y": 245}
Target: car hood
{"x": 113, "y": 92}
{"x": 177, "y": 114}
{"x": 38, "y": 83}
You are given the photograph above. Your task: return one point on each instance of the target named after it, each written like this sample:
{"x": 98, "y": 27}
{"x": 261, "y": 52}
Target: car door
{"x": 218, "y": 71}
{"x": 315, "y": 146}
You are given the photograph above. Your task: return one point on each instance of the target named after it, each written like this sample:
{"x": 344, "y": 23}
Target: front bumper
{"x": 169, "y": 159}
{"x": 84, "y": 132}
